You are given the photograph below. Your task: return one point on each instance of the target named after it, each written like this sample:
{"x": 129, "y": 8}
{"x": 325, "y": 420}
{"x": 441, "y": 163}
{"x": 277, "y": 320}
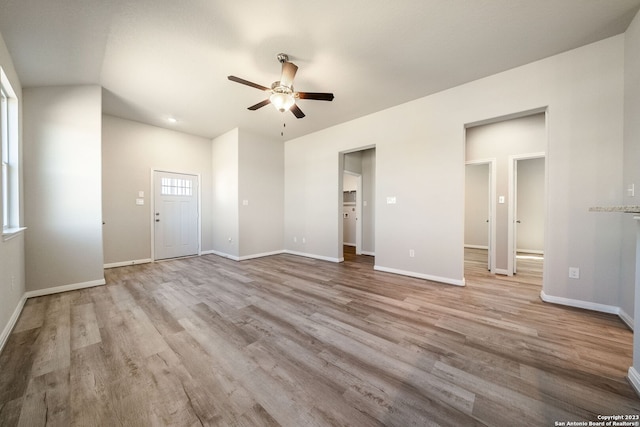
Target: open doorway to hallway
{"x": 357, "y": 197}
{"x": 505, "y": 197}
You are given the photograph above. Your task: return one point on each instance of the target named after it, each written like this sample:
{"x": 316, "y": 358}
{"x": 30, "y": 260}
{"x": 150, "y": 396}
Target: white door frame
{"x": 152, "y": 208}
{"x": 491, "y": 261}
{"x": 512, "y": 233}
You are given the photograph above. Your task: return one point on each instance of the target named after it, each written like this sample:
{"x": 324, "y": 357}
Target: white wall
{"x": 225, "y": 216}
{"x": 247, "y": 195}
{"x": 130, "y": 150}
{"x": 12, "y": 266}
{"x": 420, "y": 162}
{"x": 261, "y": 194}
{"x": 63, "y": 195}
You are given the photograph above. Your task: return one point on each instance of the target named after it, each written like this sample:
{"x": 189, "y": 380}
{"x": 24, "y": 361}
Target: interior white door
{"x": 175, "y": 215}
{"x": 516, "y": 221}
{"x": 359, "y": 215}
{"x": 489, "y": 217}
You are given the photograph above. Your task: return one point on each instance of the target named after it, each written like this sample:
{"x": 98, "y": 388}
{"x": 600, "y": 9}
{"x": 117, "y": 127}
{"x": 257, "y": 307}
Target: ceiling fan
{"x": 282, "y": 95}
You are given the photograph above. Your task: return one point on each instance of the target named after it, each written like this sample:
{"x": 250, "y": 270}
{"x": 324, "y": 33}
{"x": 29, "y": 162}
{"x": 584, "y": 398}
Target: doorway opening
{"x": 175, "y": 223}
{"x": 505, "y": 196}
{"x": 357, "y": 206}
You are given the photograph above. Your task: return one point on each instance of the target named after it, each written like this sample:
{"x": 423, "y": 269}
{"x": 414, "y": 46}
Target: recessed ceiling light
{"x": 172, "y": 120}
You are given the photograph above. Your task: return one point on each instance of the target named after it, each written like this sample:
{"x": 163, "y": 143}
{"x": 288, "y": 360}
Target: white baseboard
{"x": 476, "y": 246}
{"x": 445, "y": 280}
{"x": 603, "y": 308}
{"x": 4, "y": 337}
{"x": 126, "y": 263}
{"x": 628, "y": 320}
{"x": 634, "y": 379}
{"x": 314, "y": 256}
{"x": 368, "y": 253}
{"x": 348, "y": 244}
{"x": 531, "y": 251}
{"x": 501, "y": 271}
{"x": 261, "y": 255}
{"x": 64, "y": 288}
{"x": 222, "y": 254}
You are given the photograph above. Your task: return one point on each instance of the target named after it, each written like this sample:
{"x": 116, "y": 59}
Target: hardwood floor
{"x": 292, "y": 341}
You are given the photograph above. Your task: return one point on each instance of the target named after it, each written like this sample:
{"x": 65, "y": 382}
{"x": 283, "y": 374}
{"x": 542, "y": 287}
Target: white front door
{"x": 175, "y": 215}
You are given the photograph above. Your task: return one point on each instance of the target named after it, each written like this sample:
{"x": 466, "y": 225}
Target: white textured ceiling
{"x": 161, "y": 58}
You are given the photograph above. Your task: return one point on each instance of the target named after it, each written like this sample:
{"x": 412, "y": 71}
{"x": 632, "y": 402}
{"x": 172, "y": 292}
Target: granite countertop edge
{"x": 622, "y": 208}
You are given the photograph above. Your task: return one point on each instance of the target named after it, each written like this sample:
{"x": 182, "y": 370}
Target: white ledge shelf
{"x": 10, "y": 233}
{"x": 635, "y": 209}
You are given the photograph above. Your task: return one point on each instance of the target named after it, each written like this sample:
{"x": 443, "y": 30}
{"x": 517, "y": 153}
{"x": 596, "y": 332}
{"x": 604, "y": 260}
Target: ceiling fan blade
{"x": 319, "y": 96}
{"x": 247, "y": 82}
{"x": 259, "y": 105}
{"x": 289, "y": 70}
{"x": 297, "y": 111}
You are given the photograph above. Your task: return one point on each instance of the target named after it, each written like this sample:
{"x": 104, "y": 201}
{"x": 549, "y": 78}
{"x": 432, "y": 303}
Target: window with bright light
{"x": 4, "y": 120}
{"x": 176, "y": 187}
{"x": 9, "y": 152}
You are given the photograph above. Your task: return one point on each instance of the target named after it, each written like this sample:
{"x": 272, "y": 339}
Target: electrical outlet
{"x": 574, "y": 273}
{"x": 412, "y": 253}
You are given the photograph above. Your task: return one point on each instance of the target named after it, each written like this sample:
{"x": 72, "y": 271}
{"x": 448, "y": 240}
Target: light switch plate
{"x": 574, "y": 273}
{"x": 139, "y": 202}
{"x": 501, "y": 199}
{"x": 391, "y": 200}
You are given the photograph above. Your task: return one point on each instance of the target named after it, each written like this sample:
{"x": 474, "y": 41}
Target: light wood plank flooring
{"x": 291, "y": 341}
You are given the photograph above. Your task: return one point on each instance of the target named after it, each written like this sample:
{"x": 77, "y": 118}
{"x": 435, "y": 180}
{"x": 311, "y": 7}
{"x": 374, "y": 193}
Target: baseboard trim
{"x": 634, "y": 379}
{"x": 368, "y": 253}
{"x": 628, "y": 320}
{"x": 222, "y": 254}
{"x": 241, "y": 258}
{"x": 4, "y": 337}
{"x": 501, "y": 271}
{"x": 594, "y": 306}
{"x": 531, "y": 251}
{"x": 314, "y": 256}
{"x": 348, "y": 244}
{"x": 476, "y": 246}
{"x": 261, "y": 255}
{"x": 429, "y": 277}
{"x": 126, "y": 263}
{"x": 64, "y": 288}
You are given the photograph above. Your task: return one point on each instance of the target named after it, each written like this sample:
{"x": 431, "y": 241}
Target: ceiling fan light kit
{"x": 283, "y": 97}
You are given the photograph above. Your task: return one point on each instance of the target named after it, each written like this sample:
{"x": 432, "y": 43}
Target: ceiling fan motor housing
{"x": 282, "y": 57}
